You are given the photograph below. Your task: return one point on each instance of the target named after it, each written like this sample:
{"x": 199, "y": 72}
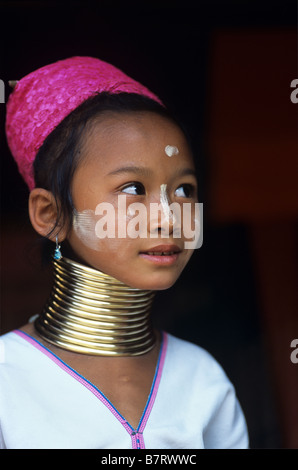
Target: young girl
{"x": 99, "y": 152}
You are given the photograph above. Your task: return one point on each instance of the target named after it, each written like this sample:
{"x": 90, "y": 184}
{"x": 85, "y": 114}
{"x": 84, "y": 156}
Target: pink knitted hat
{"x": 42, "y": 99}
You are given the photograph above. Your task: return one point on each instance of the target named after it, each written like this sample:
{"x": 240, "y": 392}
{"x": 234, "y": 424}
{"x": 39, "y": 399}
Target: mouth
{"x": 162, "y": 254}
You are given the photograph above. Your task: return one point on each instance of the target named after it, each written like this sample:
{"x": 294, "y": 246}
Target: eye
{"x": 135, "y": 189}
{"x": 185, "y": 190}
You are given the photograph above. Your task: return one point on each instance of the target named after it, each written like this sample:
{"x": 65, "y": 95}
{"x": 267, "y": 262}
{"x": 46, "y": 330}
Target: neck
{"x": 90, "y": 312}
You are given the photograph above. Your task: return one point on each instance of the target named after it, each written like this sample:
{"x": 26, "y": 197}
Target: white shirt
{"x": 45, "y": 404}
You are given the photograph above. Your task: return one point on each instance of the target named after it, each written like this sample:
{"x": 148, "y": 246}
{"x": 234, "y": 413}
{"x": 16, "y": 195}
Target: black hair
{"x": 60, "y": 154}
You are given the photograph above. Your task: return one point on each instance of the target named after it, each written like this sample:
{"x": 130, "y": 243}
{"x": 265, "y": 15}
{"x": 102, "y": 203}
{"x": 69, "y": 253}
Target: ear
{"x": 43, "y": 213}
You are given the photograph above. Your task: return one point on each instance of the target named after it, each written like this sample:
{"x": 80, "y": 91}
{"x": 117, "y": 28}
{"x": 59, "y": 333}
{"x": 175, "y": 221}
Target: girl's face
{"x": 127, "y": 155}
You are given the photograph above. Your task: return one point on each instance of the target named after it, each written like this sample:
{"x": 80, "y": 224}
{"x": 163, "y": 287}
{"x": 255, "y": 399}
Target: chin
{"x": 162, "y": 283}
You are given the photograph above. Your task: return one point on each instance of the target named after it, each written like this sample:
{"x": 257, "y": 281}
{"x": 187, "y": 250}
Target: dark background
{"x": 226, "y": 68}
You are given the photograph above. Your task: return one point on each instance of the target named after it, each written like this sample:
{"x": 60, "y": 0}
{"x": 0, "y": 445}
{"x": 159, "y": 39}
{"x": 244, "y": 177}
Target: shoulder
{"x": 20, "y": 356}
{"x": 194, "y": 359}
{"x": 207, "y": 393}
{"x": 11, "y": 343}
{"x": 15, "y": 354}
{"x": 15, "y": 360}
{"x": 199, "y": 374}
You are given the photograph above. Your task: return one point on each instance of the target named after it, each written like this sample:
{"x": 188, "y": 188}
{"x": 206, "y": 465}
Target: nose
{"x": 161, "y": 217}
{"x": 158, "y": 222}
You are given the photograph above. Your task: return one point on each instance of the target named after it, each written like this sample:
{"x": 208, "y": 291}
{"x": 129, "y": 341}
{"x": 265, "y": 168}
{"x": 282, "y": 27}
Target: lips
{"x": 158, "y": 253}
{"x": 162, "y": 250}
{"x": 161, "y": 255}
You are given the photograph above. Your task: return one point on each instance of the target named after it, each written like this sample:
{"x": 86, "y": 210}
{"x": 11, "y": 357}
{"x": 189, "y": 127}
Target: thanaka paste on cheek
{"x": 96, "y": 228}
{"x": 84, "y": 226}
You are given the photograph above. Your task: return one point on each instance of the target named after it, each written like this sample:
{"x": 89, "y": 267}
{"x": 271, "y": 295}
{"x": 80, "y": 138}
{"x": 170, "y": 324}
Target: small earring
{"x": 57, "y": 254}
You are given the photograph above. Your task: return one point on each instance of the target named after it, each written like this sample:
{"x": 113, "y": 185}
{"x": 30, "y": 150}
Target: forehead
{"x": 114, "y": 137}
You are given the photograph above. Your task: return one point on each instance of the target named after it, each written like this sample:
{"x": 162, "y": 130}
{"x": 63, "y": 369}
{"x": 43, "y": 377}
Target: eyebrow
{"x": 138, "y": 170}
{"x": 185, "y": 172}
{"x": 143, "y": 171}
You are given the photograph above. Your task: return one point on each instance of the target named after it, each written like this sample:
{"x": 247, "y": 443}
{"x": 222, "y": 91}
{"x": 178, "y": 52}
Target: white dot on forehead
{"x": 171, "y": 150}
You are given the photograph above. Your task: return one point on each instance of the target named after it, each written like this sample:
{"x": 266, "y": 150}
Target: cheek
{"x": 106, "y": 228}
{"x": 84, "y": 223}
{"x": 192, "y": 225}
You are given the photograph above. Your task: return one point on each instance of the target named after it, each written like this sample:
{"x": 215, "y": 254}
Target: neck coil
{"x": 93, "y": 313}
